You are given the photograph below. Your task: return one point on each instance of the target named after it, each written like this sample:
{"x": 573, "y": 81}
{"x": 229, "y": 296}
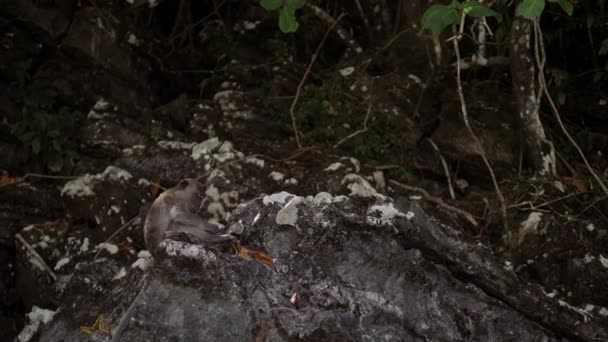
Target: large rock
{"x": 344, "y": 269}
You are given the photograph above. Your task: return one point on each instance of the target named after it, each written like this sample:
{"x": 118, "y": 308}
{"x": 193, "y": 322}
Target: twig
{"x": 364, "y": 17}
{"x": 534, "y": 207}
{"x": 35, "y": 254}
{"x": 465, "y": 117}
{"x": 446, "y": 170}
{"x": 293, "y": 156}
{"x": 116, "y": 233}
{"x": 591, "y": 205}
{"x": 292, "y": 113}
{"x": 357, "y": 132}
{"x": 36, "y": 175}
{"x": 540, "y": 55}
{"x": 467, "y": 216}
{"x": 342, "y": 33}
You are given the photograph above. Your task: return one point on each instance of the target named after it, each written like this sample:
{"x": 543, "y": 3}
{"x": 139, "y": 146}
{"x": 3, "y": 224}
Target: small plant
{"x": 539, "y": 191}
{"x": 45, "y": 132}
{"x": 287, "y": 12}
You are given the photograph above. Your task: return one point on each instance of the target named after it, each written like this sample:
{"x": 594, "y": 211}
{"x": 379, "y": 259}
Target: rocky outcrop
{"x": 345, "y": 268}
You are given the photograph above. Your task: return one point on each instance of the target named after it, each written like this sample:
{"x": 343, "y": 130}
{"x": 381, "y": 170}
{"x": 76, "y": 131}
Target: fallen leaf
{"x": 248, "y": 254}
{"x": 100, "y": 325}
{"x": 7, "y": 180}
{"x": 154, "y": 187}
{"x": 579, "y": 184}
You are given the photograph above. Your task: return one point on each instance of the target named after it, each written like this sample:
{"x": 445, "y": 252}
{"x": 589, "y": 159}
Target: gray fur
{"x": 175, "y": 210}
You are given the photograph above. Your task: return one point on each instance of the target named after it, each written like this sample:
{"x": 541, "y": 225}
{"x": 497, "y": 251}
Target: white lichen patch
{"x": 603, "y": 261}
{"x": 333, "y": 167}
{"x": 110, "y": 248}
{"x": 360, "y": 187}
{"x": 387, "y": 213}
{"x": 530, "y": 225}
{"x": 175, "y": 145}
{"x": 276, "y": 176}
{"x": 588, "y": 258}
{"x": 526, "y": 228}
{"x": 586, "y": 315}
{"x": 255, "y": 161}
{"x": 227, "y": 100}
{"x": 182, "y": 249}
{"x": 379, "y": 179}
{"x": 347, "y": 71}
{"x": 213, "y": 193}
{"x": 62, "y": 262}
{"x": 226, "y": 152}
{"x": 120, "y": 274}
{"x": 132, "y": 39}
{"x": 36, "y": 317}
{"x": 79, "y": 187}
{"x": 355, "y": 163}
{"x": 288, "y": 215}
{"x": 205, "y": 148}
{"x": 85, "y": 245}
{"x": 278, "y": 198}
{"x": 83, "y": 185}
{"x": 325, "y": 197}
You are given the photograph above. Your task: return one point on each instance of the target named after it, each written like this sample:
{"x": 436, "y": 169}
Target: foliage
{"x": 437, "y": 17}
{"x": 287, "y": 10}
{"x": 45, "y": 130}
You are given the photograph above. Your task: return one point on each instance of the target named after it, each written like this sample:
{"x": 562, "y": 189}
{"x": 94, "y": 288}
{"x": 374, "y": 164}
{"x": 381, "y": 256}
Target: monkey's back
{"x": 157, "y": 220}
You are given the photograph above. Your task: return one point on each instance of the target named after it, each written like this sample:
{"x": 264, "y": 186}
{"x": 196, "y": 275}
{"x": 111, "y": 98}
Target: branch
{"x": 292, "y": 113}
{"x": 37, "y": 256}
{"x": 445, "y": 168}
{"x": 465, "y": 117}
{"x": 465, "y": 215}
{"x": 369, "y": 109}
{"x": 539, "y": 53}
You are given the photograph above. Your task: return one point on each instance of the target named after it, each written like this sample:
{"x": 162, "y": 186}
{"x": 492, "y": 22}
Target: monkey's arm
{"x": 195, "y": 226}
{"x": 193, "y": 220}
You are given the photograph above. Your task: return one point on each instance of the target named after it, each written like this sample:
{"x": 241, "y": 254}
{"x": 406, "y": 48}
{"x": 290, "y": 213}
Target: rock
{"x": 344, "y": 269}
{"x": 53, "y": 23}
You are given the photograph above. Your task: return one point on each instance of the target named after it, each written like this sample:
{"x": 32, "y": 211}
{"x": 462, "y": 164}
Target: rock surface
{"x": 344, "y": 269}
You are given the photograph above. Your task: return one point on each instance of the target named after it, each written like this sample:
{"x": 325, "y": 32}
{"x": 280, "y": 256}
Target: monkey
{"x": 175, "y": 210}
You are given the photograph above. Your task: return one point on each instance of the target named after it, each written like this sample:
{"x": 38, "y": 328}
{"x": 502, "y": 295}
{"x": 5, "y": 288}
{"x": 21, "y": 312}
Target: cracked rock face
{"x": 345, "y": 269}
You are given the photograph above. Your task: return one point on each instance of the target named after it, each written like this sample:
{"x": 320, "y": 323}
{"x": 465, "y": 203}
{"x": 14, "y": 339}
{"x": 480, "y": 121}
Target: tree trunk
{"x": 539, "y": 151}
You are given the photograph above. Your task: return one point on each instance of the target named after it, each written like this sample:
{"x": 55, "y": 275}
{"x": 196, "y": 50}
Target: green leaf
{"x": 566, "y": 6}
{"x": 531, "y": 9}
{"x": 437, "y": 17}
{"x": 271, "y": 5}
{"x": 295, "y": 4}
{"x": 477, "y": 10}
{"x": 287, "y": 21}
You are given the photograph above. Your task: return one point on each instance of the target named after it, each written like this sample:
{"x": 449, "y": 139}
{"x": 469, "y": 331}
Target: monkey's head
{"x": 191, "y": 191}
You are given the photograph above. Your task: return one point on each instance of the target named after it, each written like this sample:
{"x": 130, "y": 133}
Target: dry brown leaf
{"x": 7, "y": 180}
{"x": 248, "y": 254}
{"x": 154, "y": 187}
{"x": 100, "y": 325}
{"x": 579, "y": 184}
